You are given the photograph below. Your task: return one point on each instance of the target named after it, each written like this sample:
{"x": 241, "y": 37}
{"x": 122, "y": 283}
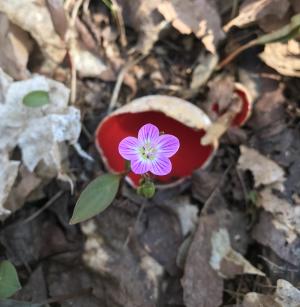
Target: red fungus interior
{"x": 242, "y": 116}
{"x": 190, "y": 156}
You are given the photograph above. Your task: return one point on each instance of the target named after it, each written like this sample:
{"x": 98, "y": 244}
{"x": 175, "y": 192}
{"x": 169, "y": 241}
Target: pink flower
{"x": 149, "y": 152}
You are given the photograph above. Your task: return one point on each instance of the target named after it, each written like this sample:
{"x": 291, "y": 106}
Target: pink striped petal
{"x": 148, "y": 133}
{"x": 160, "y": 166}
{"x": 139, "y": 166}
{"x": 167, "y": 145}
{"x": 128, "y": 148}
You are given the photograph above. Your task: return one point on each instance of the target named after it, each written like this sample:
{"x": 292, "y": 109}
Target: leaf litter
{"x": 198, "y": 244}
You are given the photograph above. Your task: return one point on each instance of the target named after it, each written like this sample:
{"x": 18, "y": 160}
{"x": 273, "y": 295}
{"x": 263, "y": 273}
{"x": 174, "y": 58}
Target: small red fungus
{"x": 246, "y": 107}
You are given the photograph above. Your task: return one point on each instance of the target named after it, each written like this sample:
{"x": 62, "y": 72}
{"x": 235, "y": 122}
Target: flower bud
{"x": 146, "y": 189}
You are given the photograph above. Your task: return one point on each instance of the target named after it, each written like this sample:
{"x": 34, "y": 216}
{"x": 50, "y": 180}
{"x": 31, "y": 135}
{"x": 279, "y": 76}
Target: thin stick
{"x": 117, "y": 12}
{"x": 117, "y": 88}
{"x": 131, "y": 230}
{"x": 235, "y": 53}
{"x": 50, "y": 202}
{"x": 62, "y": 298}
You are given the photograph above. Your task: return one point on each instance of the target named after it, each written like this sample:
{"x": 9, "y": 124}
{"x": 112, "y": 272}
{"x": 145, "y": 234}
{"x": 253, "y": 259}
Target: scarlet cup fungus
{"x": 246, "y": 106}
{"x": 172, "y": 116}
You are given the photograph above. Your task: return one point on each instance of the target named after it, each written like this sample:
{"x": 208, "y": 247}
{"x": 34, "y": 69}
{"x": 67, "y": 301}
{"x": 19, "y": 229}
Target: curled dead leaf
{"x": 8, "y": 175}
{"x": 15, "y": 47}
{"x": 252, "y": 160}
{"x": 225, "y": 260}
{"x": 255, "y": 10}
{"x": 40, "y": 133}
{"x": 286, "y": 214}
{"x": 200, "y": 17}
{"x": 284, "y": 57}
{"x": 286, "y": 295}
{"x": 33, "y": 16}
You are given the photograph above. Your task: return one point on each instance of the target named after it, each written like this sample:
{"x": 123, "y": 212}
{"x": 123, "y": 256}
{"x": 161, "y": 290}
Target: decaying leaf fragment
{"x": 286, "y": 295}
{"x": 254, "y": 10}
{"x": 40, "y": 133}
{"x": 225, "y": 260}
{"x": 286, "y": 215}
{"x": 283, "y": 242}
{"x": 264, "y": 170}
{"x": 199, "y": 17}
{"x": 15, "y": 46}
{"x": 284, "y": 57}
{"x": 8, "y": 174}
{"x": 143, "y": 17}
{"x": 34, "y": 17}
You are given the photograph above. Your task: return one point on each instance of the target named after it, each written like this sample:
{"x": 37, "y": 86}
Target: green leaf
{"x": 13, "y": 303}
{"x": 285, "y": 33}
{"x": 9, "y": 281}
{"x": 36, "y": 99}
{"x": 96, "y": 197}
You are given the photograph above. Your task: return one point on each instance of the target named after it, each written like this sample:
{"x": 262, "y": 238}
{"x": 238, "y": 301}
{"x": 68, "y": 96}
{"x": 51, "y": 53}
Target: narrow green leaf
{"x": 9, "y": 281}
{"x": 36, "y": 99}
{"x": 96, "y": 197}
{"x": 285, "y": 33}
{"x": 13, "y": 303}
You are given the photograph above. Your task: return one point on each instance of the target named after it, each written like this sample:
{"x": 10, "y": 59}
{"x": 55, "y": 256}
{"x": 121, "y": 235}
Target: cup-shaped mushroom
{"x": 170, "y": 115}
{"x": 239, "y": 110}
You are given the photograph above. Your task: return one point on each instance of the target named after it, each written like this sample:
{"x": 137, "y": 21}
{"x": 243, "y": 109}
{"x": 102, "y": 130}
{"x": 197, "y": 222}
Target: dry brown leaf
{"x": 286, "y": 295}
{"x": 8, "y": 174}
{"x": 27, "y": 183}
{"x": 34, "y": 17}
{"x": 253, "y": 299}
{"x": 40, "y": 133}
{"x": 283, "y": 57}
{"x": 206, "y": 63}
{"x": 265, "y": 233}
{"x": 255, "y": 10}
{"x": 199, "y": 17}
{"x": 264, "y": 170}
{"x": 225, "y": 260}
{"x": 15, "y": 47}
{"x": 286, "y": 215}
{"x": 296, "y": 5}
{"x": 142, "y": 16}
{"x": 202, "y": 286}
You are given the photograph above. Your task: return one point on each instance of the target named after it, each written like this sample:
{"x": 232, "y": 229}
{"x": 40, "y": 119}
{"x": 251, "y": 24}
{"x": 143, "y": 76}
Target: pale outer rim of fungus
{"x": 173, "y": 107}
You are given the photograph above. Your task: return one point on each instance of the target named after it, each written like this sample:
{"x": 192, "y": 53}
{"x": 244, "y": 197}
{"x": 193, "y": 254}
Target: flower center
{"x": 148, "y": 152}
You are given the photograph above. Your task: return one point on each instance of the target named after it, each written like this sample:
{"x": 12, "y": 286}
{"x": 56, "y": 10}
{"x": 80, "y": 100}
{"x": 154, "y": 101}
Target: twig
{"x": 117, "y": 88}
{"x": 235, "y": 4}
{"x": 62, "y": 298}
{"x": 274, "y": 265}
{"x": 117, "y": 12}
{"x": 141, "y": 210}
{"x": 215, "y": 190}
{"x": 47, "y": 205}
{"x": 235, "y": 53}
